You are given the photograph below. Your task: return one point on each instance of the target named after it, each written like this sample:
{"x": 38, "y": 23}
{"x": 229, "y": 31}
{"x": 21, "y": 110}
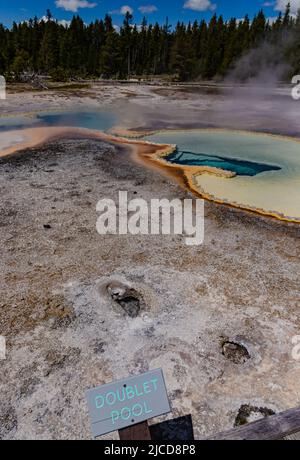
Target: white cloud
{"x": 146, "y": 9}
{"x": 62, "y": 22}
{"x": 123, "y": 10}
{"x": 126, "y": 9}
{"x": 280, "y": 5}
{"x": 199, "y": 5}
{"x": 74, "y": 5}
{"x": 272, "y": 19}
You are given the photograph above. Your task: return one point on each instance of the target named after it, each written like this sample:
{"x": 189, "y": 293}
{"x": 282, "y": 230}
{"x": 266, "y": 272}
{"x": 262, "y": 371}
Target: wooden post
{"x": 274, "y": 427}
{"x": 138, "y": 432}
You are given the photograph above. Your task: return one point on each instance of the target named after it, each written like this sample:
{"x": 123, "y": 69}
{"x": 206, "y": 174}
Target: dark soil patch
{"x": 248, "y": 413}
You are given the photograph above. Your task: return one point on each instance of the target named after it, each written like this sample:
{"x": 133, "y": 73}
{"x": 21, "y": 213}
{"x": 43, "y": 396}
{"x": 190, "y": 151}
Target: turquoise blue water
{"x": 91, "y": 120}
{"x": 267, "y": 167}
{"x": 235, "y": 152}
{"x": 101, "y": 121}
{"x": 240, "y": 167}
{"x": 14, "y": 123}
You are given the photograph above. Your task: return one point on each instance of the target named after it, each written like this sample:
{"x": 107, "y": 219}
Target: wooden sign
{"x": 127, "y": 402}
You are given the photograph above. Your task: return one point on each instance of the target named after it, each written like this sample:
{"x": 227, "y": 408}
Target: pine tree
{"x": 189, "y": 51}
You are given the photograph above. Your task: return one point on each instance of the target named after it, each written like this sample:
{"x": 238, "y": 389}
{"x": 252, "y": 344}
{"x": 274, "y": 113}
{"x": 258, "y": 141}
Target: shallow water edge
{"x": 148, "y": 154}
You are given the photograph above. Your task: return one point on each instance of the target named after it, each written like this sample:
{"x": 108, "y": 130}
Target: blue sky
{"x": 154, "y": 10}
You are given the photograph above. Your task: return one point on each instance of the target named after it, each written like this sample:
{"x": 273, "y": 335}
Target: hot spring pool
{"x": 98, "y": 120}
{"x": 267, "y": 168}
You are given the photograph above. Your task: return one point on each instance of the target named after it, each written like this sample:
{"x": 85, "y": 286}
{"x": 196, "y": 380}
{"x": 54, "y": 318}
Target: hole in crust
{"x": 235, "y": 352}
{"x": 128, "y": 298}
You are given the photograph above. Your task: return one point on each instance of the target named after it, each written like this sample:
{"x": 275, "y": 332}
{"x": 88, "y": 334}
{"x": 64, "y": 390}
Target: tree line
{"x": 97, "y": 50}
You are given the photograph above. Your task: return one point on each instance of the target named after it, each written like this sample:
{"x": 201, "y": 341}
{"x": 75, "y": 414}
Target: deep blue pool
{"x": 240, "y": 167}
